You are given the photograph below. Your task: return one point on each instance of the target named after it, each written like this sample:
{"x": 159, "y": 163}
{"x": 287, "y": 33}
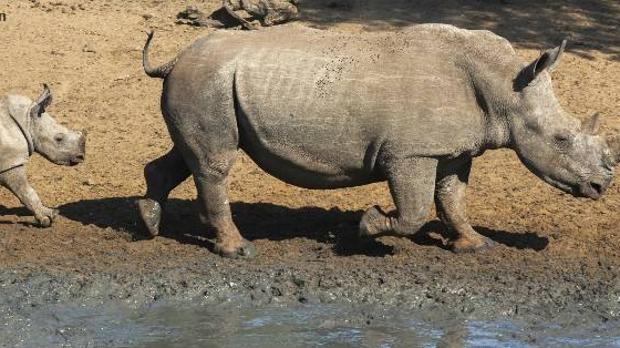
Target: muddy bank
{"x": 436, "y": 290}
{"x": 468, "y": 286}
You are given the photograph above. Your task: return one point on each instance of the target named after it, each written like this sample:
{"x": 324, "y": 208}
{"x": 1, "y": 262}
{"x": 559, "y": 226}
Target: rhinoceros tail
{"x": 159, "y": 71}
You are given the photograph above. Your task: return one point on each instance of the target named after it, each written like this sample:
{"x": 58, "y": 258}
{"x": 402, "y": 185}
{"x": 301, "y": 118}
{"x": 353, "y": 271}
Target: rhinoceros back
{"x": 13, "y": 144}
{"x": 319, "y": 104}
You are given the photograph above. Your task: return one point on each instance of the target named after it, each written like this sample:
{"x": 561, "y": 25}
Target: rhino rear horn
{"x": 592, "y": 125}
{"x": 548, "y": 60}
{"x": 43, "y": 101}
{"x": 613, "y": 142}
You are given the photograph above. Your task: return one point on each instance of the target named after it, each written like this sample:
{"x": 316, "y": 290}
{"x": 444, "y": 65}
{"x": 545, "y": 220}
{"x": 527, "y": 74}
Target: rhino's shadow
{"x": 267, "y": 221}
{"x": 255, "y": 221}
{"x": 16, "y": 211}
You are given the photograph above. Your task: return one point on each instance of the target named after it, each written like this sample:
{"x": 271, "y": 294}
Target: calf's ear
{"x": 44, "y": 100}
{"x": 548, "y": 60}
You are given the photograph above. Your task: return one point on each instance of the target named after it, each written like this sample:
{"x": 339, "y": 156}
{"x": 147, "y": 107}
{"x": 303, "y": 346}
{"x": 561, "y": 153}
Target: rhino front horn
{"x": 592, "y": 125}
{"x": 613, "y": 142}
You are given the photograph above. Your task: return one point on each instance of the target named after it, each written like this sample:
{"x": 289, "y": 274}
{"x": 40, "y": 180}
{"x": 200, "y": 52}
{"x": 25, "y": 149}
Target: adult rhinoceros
{"x": 324, "y": 110}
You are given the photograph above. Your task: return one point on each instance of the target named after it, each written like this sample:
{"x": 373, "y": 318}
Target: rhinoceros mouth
{"x": 76, "y": 160}
{"x": 572, "y": 189}
{"x": 587, "y": 189}
{"x": 593, "y": 189}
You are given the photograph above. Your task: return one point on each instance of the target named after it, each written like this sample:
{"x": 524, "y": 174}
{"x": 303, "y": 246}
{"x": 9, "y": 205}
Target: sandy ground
{"x": 556, "y": 253}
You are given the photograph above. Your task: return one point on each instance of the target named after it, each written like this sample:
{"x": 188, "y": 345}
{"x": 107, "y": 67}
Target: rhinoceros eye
{"x": 59, "y": 138}
{"x": 562, "y": 139}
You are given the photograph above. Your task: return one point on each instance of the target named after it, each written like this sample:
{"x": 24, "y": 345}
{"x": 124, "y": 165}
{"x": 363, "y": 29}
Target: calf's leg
{"x": 15, "y": 179}
{"x": 162, "y": 176}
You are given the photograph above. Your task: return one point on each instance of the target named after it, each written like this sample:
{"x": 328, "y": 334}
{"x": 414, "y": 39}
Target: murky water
{"x": 169, "y": 325}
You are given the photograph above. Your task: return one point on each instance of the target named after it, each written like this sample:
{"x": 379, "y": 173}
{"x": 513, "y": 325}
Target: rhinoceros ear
{"x": 44, "y": 100}
{"x": 548, "y": 60}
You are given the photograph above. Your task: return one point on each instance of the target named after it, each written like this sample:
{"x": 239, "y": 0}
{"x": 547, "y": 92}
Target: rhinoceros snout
{"x": 595, "y": 188}
{"x": 77, "y": 159}
{"x": 81, "y": 154}
{"x": 83, "y": 141}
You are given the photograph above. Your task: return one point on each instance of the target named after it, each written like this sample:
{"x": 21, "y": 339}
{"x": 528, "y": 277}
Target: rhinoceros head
{"x": 555, "y": 146}
{"x": 49, "y": 138}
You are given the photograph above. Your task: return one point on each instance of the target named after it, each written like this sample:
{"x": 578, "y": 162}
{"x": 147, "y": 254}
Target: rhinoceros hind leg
{"x": 210, "y": 175}
{"x": 451, "y": 208}
{"x": 162, "y": 176}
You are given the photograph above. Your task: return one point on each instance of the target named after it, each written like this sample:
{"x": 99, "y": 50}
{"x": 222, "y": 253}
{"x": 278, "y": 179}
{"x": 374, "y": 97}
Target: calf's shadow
{"x": 269, "y": 221}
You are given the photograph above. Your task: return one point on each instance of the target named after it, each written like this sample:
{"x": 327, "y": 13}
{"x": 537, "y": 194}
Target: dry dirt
{"x": 555, "y": 253}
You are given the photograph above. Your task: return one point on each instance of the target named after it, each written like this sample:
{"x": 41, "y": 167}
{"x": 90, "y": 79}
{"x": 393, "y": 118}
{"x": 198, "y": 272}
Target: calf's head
{"x": 555, "y": 146}
{"x": 49, "y": 138}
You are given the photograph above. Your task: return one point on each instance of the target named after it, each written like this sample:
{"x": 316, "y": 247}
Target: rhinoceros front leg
{"x": 162, "y": 176}
{"x": 15, "y": 179}
{"x": 451, "y": 208}
{"x": 412, "y": 183}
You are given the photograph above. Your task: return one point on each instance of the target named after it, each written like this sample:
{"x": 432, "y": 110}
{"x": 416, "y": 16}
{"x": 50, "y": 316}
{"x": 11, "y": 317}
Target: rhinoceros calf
{"x": 25, "y": 128}
{"x": 323, "y": 110}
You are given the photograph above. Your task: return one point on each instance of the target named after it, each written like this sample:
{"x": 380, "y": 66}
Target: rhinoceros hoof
{"x": 470, "y": 245}
{"x": 46, "y": 217}
{"x": 150, "y": 211}
{"x": 245, "y": 251}
{"x": 372, "y": 222}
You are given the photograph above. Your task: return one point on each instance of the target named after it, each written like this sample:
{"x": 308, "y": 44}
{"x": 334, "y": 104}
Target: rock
{"x": 88, "y": 49}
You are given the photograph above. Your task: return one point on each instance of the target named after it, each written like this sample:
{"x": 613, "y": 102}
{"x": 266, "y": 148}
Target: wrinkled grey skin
{"x": 37, "y": 131}
{"x": 327, "y": 110}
